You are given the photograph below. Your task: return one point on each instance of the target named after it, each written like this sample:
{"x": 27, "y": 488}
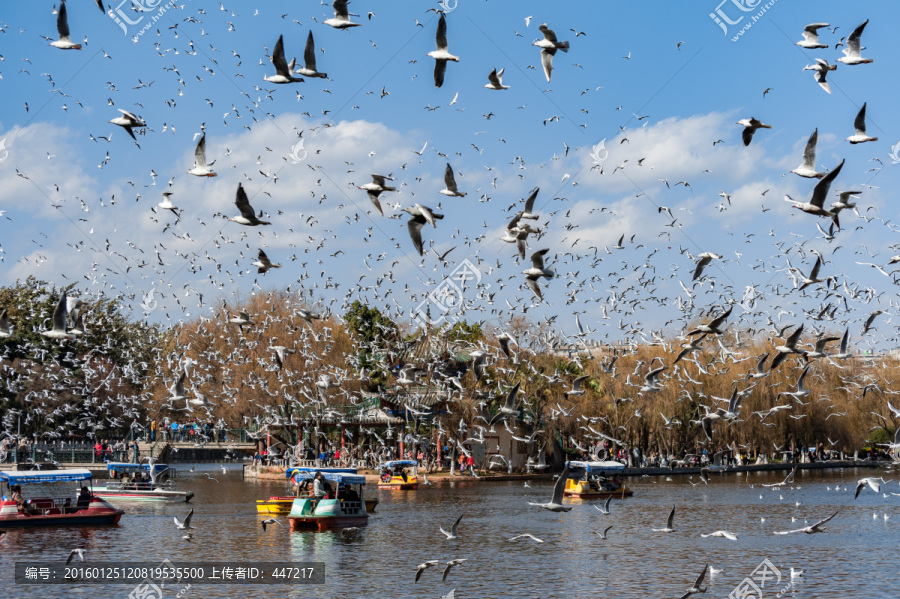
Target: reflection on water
{"x": 853, "y": 558}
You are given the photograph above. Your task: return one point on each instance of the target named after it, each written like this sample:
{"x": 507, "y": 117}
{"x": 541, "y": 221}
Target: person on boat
{"x": 84, "y": 499}
{"x": 403, "y": 475}
{"x": 17, "y": 497}
{"x": 319, "y": 485}
{"x": 349, "y": 494}
{"x": 387, "y": 475}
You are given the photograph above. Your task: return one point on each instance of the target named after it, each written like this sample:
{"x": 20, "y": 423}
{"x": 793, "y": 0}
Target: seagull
{"x": 846, "y": 201}
{"x": 789, "y": 347}
{"x": 128, "y": 122}
{"x": 760, "y": 372}
{"x": 200, "y": 167}
{"x": 269, "y": 521}
{"x": 555, "y": 504}
{"x": 454, "y": 530}
{"x": 424, "y": 566}
{"x": 817, "y": 527}
{"x": 450, "y": 188}
{"x": 283, "y": 70}
{"x": 697, "y": 588}
{"x": 509, "y": 406}
{"x": 504, "y": 340}
{"x": 577, "y": 387}
{"x": 450, "y": 564}
{"x": 668, "y": 527}
{"x": 178, "y": 392}
{"x": 750, "y": 127}
{"x": 548, "y": 47}
{"x": 59, "y": 320}
{"x": 712, "y": 327}
{"x": 851, "y": 52}
{"x": 441, "y": 55}
{"x": 808, "y": 167}
{"x": 860, "y": 125}
{"x": 604, "y": 535}
{"x": 811, "y": 36}
{"x": 820, "y": 191}
{"x": 526, "y": 536}
{"x": 4, "y": 325}
{"x": 77, "y": 551}
{"x": 248, "y": 216}
{"x": 821, "y": 69}
{"x": 375, "y": 188}
{"x": 872, "y": 482}
{"x": 167, "y": 204}
{"x": 605, "y": 508}
{"x": 342, "y": 15}
{"x": 62, "y": 27}
{"x": 528, "y": 213}
{"x": 537, "y": 271}
{"x": 496, "y": 80}
{"x": 704, "y": 259}
{"x": 263, "y": 263}
{"x": 420, "y": 215}
{"x": 721, "y": 533}
{"x": 309, "y": 59}
{"x": 186, "y": 524}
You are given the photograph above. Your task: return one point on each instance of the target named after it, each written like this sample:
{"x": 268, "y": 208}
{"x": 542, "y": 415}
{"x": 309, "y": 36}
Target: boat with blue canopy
{"x": 140, "y": 482}
{"x": 399, "y": 474}
{"x": 88, "y": 509}
{"x": 596, "y": 480}
{"x": 341, "y": 506}
{"x": 280, "y": 505}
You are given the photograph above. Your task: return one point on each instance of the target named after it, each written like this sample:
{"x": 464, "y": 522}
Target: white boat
{"x": 154, "y": 489}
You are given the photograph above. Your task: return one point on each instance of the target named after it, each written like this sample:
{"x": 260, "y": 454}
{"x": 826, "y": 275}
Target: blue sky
{"x": 198, "y": 65}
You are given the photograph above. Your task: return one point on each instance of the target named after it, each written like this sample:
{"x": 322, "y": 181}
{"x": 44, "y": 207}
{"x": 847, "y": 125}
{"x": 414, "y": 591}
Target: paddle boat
{"x": 88, "y": 510}
{"x": 341, "y": 507}
{"x": 596, "y": 480}
{"x": 140, "y": 482}
{"x": 394, "y": 475}
{"x": 280, "y": 505}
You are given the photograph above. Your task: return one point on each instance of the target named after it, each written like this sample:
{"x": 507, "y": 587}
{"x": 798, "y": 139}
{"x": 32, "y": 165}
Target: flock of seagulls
{"x": 291, "y": 349}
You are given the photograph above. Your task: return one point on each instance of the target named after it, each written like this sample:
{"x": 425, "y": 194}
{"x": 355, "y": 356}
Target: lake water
{"x": 855, "y": 557}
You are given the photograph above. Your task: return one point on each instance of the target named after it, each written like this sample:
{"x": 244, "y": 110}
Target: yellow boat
{"x": 399, "y": 474}
{"x": 596, "y": 480}
{"x": 275, "y": 505}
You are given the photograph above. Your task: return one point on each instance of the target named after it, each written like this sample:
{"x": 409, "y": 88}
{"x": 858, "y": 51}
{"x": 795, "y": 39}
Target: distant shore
{"x": 258, "y": 472}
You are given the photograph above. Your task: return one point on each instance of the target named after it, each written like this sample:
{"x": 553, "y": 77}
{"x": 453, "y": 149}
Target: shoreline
{"x": 258, "y": 472}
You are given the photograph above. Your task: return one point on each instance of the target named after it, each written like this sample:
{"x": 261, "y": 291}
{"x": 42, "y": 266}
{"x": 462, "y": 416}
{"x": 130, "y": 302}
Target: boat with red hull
{"x": 342, "y": 507}
{"x": 50, "y": 511}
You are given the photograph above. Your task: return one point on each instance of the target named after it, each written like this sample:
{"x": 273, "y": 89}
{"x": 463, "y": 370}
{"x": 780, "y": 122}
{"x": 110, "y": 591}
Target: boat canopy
{"x": 595, "y": 467}
{"x": 401, "y": 463}
{"x": 292, "y": 471}
{"x": 20, "y": 477}
{"x": 124, "y": 466}
{"x": 335, "y": 477}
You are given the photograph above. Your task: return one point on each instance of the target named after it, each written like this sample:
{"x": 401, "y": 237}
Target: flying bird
{"x": 441, "y": 55}
{"x": 248, "y": 216}
{"x": 342, "y": 16}
{"x": 62, "y": 27}
{"x": 201, "y": 169}
{"x": 750, "y": 127}
{"x": 860, "y": 124}
{"x": 284, "y": 72}
{"x": 549, "y": 45}
{"x": 555, "y": 504}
